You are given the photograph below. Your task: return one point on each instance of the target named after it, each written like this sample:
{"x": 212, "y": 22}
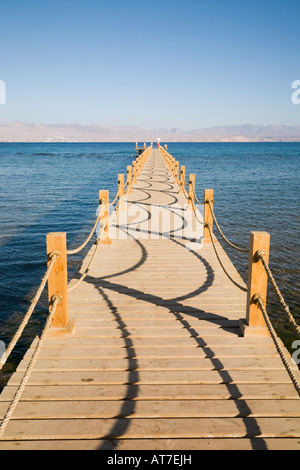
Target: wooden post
{"x": 208, "y": 218}
{"x": 145, "y": 146}
{"x": 121, "y": 185}
{"x": 134, "y": 172}
{"x": 176, "y": 171}
{"x": 58, "y": 279}
{"x": 144, "y": 158}
{"x": 121, "y": 191}
{"x": 129, "y": 179}
{"x": 138, "y": 165}
{"x": 173, "y": 167}
{"x": 166, "y": 148}
{"x": 104, "y": 217}
{"x": 192, "y": 180}
{"x": 257, "y": 278}
{"x": 182, "y": 180}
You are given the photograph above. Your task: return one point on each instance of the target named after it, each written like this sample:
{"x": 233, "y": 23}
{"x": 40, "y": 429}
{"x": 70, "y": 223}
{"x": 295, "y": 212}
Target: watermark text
{"x": 296, "y": 94}
{"x": 2, "y": 351}
{"x": 296, "y": 354}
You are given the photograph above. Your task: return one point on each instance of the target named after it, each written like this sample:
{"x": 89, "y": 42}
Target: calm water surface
{"x": 54, "y": 187}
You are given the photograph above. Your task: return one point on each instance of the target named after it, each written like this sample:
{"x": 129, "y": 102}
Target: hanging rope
{"x": 57, "y": 299}
{"x": 195, "y": 196}
{"x": 238, "y": 248}
{"x": 259, "y": 300}
{"x": 113, "y": 202}
{"x": 52, "y": 257}
{"x": 72, "y": 286}
{"x": 177, "y": 180}
{"x": 261, "y": 255}
{"x": 73, "y": 252}
{"x": 219, "y": 259}
{"x": 186, "y": 194}
{"x": 195, "y": 209}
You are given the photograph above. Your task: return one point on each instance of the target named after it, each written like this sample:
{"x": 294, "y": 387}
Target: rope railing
{"x": 259, "y": 255}
{"x": 58, "y": 290}
{"x": 186, "y": 194}
{"x": 52, "y": 257}
{"x": 262, "y": 256}
{"x": 56, "y": 300}
{"x": 58, "y": 278}
{"x": 192, "y": 192}
{"x": 77, "y": 250}
{"x": 85, "y": 273}
{"x": 192, "y": 203}
{"x": 259, "y": 300}
{"x": 177, "y": 178}
{"x": 195, "y": 195}
{"x": 168, "y": 160}
{"x": 115, "y": 199}
{"x": 256, "y": 284}
{"x": 119, "y": 195}
{"x": 219, "y": 259}
{"x": 191, "y": 184}
{"x": 132, "y": 173}
{"x": 238, "y": 248}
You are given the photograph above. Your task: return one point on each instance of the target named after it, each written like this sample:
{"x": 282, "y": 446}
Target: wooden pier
{"x": 159, "y": 345}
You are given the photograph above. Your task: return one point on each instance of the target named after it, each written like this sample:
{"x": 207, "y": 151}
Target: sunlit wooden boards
{"x": 156, "y": 360}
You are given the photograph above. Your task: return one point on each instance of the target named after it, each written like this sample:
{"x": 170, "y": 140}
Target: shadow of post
{"x": 175, "y": 307}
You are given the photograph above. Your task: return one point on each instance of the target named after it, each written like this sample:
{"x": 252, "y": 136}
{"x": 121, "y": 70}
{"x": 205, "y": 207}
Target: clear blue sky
{"x": 168, "y": 63}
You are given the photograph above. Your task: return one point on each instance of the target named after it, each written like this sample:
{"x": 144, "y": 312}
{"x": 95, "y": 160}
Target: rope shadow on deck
{"x": 128, "y": 402}
{"x": 119, "y": 428}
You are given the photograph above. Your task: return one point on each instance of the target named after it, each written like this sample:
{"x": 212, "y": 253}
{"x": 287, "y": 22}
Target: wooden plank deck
{"x": 156, "y": 360}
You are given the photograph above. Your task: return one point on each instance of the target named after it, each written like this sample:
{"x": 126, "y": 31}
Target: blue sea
{"x": 54, "y": 187}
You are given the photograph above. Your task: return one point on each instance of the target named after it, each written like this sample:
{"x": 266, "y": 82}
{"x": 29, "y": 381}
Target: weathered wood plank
{"x": 154, "y": 409}
{"x": 157, "y": 444}
{"x": 153, "y": 392}
{"x": 153, "y": 332}
{"x": 97, "y": 352}
{"x": 154, "y": 428}
{"x": 171, "y": 322}
{"x": 203, "y": 341}
{"x": 257, "y": 363}
{"x": 153, "y": 377}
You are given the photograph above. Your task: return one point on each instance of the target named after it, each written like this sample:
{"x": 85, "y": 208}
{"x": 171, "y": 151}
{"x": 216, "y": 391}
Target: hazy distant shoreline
{"x": 47, "y": 133}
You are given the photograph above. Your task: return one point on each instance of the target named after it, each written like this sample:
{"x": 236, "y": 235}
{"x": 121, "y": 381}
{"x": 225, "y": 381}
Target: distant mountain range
{"x": 22, "y": 132}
